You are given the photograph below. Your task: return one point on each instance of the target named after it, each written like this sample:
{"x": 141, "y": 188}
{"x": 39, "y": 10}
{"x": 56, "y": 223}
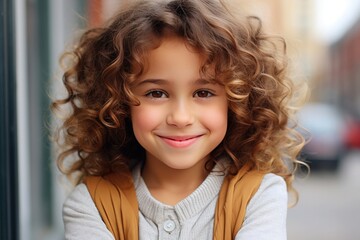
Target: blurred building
{"x": 293, "y": 20}
{"x": 342, "y": 77}
{"x": 331, "y": 69}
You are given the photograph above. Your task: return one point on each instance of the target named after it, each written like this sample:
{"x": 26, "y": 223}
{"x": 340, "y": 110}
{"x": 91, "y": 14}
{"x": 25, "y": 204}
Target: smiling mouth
{"x": 180, "y": 142}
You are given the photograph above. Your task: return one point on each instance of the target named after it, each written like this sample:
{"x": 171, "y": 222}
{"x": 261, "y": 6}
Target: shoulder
{"x": 271, "y": 190}
{"x": 266, "y": 212}
{"x": 81, "y": 217}
{"x": 79, "y": 204}
{"x": 79, "y": 196}
{"x": 272, "y": 183}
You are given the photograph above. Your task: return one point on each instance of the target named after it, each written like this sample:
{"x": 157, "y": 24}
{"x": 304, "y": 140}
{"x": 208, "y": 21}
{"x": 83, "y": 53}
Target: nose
{"x": 180, "y": 114}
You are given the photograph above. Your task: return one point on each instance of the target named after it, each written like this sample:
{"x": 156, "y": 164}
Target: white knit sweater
{"x": 191, "y": 218}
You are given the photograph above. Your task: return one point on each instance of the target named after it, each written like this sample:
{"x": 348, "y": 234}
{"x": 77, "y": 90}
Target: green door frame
{"x": 9, "y": 222}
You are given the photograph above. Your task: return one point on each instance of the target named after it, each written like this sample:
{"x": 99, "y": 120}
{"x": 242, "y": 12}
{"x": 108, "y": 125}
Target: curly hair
{"x": 251, "y": 66}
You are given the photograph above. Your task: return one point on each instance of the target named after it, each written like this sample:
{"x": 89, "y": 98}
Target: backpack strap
{"x": 235, "y": 194}
{"x": 115, "y": 199}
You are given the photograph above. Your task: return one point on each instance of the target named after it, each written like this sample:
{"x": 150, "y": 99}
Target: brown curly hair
{"x": 251, "y": 66}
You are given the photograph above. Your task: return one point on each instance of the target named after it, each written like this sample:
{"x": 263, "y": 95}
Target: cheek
{"x": 143, "y": 119}
{"x": 216, "y": 118}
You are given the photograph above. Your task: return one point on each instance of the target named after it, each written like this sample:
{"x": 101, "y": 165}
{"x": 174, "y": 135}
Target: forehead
{"x": 175, "y": 51}
{"x": 174, "y": 55}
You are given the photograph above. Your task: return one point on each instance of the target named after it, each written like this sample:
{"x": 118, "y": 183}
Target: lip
{"x": 180, "y": 141}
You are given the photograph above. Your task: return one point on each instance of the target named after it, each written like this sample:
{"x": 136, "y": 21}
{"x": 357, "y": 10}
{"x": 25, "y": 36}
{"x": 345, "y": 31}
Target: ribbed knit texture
{"x": 198, "y": 205}
{"x": 185, "y": 209}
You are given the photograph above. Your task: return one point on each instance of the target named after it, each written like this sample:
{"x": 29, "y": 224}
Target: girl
{"x": 181, "y": 127}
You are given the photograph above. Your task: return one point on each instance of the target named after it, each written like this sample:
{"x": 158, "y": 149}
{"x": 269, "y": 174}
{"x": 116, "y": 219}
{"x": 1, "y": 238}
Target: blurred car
{"x": 324, "y": 129}
{"x": 352, "y": 134}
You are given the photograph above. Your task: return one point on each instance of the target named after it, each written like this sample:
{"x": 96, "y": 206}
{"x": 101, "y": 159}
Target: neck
{"x": 170, "y": 185}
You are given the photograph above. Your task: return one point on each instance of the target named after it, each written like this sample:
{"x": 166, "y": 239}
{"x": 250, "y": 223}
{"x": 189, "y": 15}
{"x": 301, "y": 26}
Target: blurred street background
{"x": 323, "y": 38}
{"x": 329, "y": 204}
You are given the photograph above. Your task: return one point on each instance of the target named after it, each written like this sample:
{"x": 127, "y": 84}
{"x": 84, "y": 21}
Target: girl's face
{"x": 181, "y": 117}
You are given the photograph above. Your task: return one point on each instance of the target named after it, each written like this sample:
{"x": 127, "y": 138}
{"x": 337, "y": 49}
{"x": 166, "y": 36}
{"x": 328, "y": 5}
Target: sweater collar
{"x": 186, "y": 208}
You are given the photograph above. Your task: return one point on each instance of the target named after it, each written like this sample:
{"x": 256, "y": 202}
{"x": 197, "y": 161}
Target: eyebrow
{"x": 200, "y": 81}
{"x": 153, "y": 81}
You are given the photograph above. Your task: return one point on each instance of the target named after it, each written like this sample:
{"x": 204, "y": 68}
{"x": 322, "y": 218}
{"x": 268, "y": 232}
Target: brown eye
{"x": 156, "y": 94}
{"x": 203, "y": 94}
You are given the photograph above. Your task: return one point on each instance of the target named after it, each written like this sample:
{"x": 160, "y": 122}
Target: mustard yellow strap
{"x": 235, "y": 194}
{"x": 115, "y": 198}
